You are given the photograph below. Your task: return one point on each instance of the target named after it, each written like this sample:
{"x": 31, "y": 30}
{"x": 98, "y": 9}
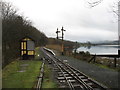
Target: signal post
{"x": 62, "y": 30}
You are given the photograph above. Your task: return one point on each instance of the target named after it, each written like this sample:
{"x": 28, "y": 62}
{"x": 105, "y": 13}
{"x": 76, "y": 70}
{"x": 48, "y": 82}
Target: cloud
{"x": 81, "y": 23}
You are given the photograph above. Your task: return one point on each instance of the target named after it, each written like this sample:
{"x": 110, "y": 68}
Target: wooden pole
{"x": 62, "y": 41}
{"x": 115, "y": 62}
{"x": 57, "y": 33}
{"x": 94, "y": 58}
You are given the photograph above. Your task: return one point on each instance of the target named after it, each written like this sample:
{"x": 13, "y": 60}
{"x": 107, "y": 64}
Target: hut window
{"x": 24, "y": 52}
{"x": 30, "y": 52}
{"x": 21, "y": 52}
{"x": 24, "y": 45}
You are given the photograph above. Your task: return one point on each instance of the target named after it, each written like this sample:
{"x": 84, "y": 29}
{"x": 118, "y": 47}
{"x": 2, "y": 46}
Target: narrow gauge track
{"x": 40, "y": 77}
{"x": 71, "y": 77}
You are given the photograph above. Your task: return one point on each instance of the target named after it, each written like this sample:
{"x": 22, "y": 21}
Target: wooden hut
{"x": 27, "y": 48}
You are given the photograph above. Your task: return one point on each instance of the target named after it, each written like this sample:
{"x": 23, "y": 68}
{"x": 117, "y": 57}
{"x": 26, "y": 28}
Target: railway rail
{"x": 70, "y": 77}
{"x": 40, "y": 77}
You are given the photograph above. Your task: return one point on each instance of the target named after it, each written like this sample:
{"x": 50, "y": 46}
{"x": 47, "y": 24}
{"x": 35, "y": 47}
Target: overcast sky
{"x": 80, "y": 22}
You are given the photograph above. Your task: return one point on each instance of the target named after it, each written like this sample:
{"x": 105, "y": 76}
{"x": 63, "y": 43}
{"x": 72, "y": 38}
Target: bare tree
{"x": 114, "y": 7}
{"x": 15, "y": 27}
{"x": 93, "y": 3}
{"x": 8, "y": 11}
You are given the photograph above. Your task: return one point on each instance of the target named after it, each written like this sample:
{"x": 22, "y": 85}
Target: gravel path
{"x": 105, "y": 76}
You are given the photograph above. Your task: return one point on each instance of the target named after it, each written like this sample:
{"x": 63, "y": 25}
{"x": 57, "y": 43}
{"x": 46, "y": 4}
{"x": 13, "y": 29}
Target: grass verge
{"x": 106, "y": 67}
{"x": 20, "y": 74}
{"x": 48, "y": 81}
{"x": 38, "y": 53}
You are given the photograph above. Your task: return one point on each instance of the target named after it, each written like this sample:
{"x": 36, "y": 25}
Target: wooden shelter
{"x": 27, "y": 48}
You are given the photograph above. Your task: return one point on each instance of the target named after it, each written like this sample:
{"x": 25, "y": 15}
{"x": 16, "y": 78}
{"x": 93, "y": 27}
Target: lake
{"x": 100, "y": 49}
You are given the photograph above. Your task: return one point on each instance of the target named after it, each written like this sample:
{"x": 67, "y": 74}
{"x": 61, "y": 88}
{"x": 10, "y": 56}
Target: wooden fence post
{"x": 94, "y": 58}
{"x": 115, "y": 62}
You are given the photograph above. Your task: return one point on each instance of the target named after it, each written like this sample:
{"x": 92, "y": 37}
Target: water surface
{"x": 100, "y": 49}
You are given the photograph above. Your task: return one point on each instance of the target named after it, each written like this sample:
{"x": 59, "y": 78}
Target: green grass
{"x": 11, "y": 78}
{"x": 106, "y": 67}
{"x": 38, "y": 52}
{"x": 48, "y": 81}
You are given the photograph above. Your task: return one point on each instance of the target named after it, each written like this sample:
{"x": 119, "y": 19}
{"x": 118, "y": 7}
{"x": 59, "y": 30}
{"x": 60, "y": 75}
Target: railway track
{"x": 40, "y": 77}
{"x": 70, "y": 77}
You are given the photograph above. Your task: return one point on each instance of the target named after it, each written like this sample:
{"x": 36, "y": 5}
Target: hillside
{"x": 56, "y": 44}
{"x": 115, "y": 42}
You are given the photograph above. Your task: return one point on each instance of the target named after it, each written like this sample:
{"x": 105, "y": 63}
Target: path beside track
{"x": 106, "y": 76}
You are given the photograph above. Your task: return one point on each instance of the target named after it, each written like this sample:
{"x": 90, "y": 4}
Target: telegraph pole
{"x": 62, "y": 40}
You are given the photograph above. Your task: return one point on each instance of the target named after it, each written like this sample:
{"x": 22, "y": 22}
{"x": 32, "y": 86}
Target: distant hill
{"x": 56, "y": 44}
{"x": 59, "y": 42}
{"x": 106, "y": 42}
